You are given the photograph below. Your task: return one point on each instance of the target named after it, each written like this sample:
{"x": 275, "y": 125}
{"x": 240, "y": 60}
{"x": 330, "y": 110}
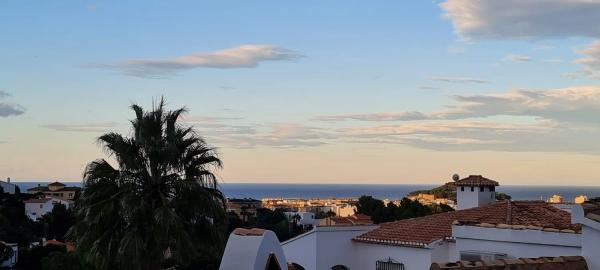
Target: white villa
{"x": 481, "y": 234}
{"x": 37, "y": 207}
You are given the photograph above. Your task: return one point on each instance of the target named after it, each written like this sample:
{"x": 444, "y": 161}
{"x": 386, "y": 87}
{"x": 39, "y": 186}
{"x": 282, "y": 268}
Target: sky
{"x": 312, "y": 91}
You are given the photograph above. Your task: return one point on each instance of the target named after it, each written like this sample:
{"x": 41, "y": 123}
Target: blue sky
{"x": 320, "y": 85}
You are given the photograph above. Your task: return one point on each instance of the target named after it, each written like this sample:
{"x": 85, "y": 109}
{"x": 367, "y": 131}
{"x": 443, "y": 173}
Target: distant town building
{"x": 36, "y": 208}
{"x": 555, "y": 199}
{"x": 56, "y": 190}
{"x": 306, "y": 219}
{"x": 580, "y": 199}
{"x": 8, "y": 187}
{"x": 243, "y": 207}
{"x": 429, "y": 199}
{"x": 356, "y": 219}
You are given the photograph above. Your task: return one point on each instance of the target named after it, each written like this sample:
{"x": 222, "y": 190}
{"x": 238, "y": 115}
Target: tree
{"x": 161, "y": 201}
{"x": 57, "y": 222}
{"x": 367, "y": 205}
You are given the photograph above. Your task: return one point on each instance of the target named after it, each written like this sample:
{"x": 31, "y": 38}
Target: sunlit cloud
{"x": 245, "y": 56}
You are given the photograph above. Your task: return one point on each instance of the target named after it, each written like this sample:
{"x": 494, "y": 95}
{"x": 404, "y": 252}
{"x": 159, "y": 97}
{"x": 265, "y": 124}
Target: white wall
{"x": 251, "y": 252}
{"x": 516, "y": 243}
{"x": 8, "y": 187}
{"x": 469, "y": 199}
{"x": 302, "y": 250}
{"x": 36, "y": 210}
{"x": 366, "y": 255}
{"x": 591, "y": 247}
{"x": 324, "y": 247}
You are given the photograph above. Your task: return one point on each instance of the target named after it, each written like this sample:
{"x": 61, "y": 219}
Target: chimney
{"x": 8, "y": 180}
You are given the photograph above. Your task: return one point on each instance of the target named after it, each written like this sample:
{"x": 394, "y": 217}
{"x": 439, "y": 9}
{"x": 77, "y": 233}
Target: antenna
{"x": 455, "y": 177}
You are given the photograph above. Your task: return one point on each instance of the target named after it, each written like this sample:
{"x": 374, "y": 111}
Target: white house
{"x": 8, "y": 187}
{"x": 484, "y": 230}
{"x": 36, "y": 208}
{"x": 588, "y": 215}
{"x": 306, "y": 219}
{"x": 254, "y": 249}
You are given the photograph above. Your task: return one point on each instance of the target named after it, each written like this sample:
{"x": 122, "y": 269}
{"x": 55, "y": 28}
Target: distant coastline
{"x": 381, "y": 191}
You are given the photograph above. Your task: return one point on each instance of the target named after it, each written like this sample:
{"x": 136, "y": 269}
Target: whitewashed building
{"x": 483, "y": 230}
{"x": 36, "y": 208}
{"x": 8, "y": 187}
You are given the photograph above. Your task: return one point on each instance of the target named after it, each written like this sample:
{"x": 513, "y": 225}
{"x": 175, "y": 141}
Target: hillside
{"x": 448, "y": 191}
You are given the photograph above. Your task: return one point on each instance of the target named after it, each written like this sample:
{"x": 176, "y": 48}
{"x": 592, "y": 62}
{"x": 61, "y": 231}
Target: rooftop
{"x": 556, "y": 263}
{"x": 421, "y": 231}
{"x": 476, "y": 181}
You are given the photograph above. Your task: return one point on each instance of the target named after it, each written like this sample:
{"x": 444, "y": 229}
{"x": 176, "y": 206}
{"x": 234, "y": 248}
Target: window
{"x": 339, "y": 267}
{"x": 492, "y": 188}
{"x": 472, "y": 189}
{"x": 462, "y": 188}
{"x": 389, "y": 264}
{"x": 482, "y": 189}
{"x": 41, "y": 206}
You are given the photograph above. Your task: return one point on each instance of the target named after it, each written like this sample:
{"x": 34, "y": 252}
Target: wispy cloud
{"x": 92, "y": 127}
{"x": 551, "y": 120}
{"x": 518, "y": 58}
{"x": 245, "y": 56}
{"x": 456, "y": 79}
{"x": 591, "y": 60}
{"x": 517, "y": 19}
{"x": 4, "y": 94}
{"x": 572, "y": 104}
{"x": 456, "y": 50}
{"x": 9, "y": 109}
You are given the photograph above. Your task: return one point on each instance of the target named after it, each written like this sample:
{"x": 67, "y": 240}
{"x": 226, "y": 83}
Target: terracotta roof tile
{"x": 476, "y": 181}
{"x": 425, "y": 230}
{"x": 555, "y": 263}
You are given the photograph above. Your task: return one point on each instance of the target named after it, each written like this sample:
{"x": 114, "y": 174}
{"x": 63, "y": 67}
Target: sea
{"x": 381, "y": 191}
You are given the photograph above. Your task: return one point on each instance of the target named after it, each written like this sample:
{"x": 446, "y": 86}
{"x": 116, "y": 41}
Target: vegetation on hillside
{"x": 380, "y": 212}
{"x": 448, "y": 191}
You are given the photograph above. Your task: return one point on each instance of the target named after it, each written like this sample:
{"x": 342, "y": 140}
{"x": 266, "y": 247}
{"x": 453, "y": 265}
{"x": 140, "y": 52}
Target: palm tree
{"x": 161, "y": 202}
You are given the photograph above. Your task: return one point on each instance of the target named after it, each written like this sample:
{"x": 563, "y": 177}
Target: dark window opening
{"x": 472, "y": 189}
{"x": 482, "y": 189}
{"x": 339, "y": 267}
{"x": 462, "y": 188}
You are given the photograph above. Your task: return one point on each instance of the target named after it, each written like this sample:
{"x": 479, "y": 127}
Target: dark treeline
{"x": 380, "y": 212}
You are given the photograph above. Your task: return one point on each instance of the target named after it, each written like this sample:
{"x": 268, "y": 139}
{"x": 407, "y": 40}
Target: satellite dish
{"x": 455, "y": 177}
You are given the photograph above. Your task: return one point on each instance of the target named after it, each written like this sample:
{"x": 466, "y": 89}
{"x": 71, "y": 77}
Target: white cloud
{"x": 94, "y": 127}
{"x": 518, "y": 19}
{"x": 530, "y": 19}
{"x": 518, "y": 58}
{"x": 572, "y": 104}
{"x": 456, "y": 79}
{"x": 245, "y": 56}
{"x": 591, "y": 60}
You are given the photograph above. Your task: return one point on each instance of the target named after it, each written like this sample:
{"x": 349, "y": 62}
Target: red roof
{"x": 356, "y": 219}
{"x": 425, "y": 230}
{"x": 476, "y": 181}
